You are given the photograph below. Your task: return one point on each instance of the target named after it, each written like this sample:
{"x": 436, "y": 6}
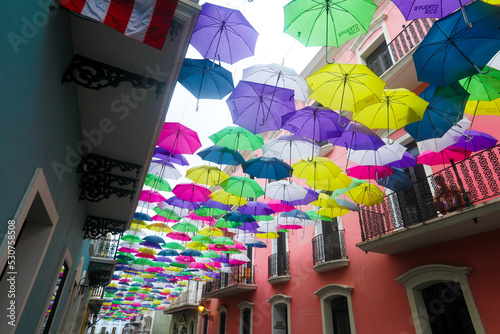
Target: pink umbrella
{"x": 234, "y": 262}
{"x": 217, "y": 247}
{"x": 163, "y": 219}
{"x": 154, "y": 269}
{"x": 279, "y": 206}
{"x": 194, "y": 216}
{"x": 291, "y": 226}
{"x": 185, "y": 259}
{"x": 442, "y": 158}
{"x": 127, "y": 250}
{"x": 369, "y": 172}
{"x": 176, "y": 235}
{"x": 191, "y": 192}
{"x": 214, "y": 264}
{"x": 237, "y": 245}
{"x": 178, "y": 139}
{"x": 151, "y": 196}
{"x": 198, "y": 265}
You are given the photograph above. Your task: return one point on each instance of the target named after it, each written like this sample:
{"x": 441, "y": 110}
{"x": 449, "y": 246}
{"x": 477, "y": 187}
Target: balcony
{"x": 96, "y": 299}
{"x": 187, "y": 300}
{"x": 102, "y": 261}
{"x": 240, "y": 280}
{"x": 278, "y": 268}
{"x": 408, "y": 220}
{"x": 329, "y": 252}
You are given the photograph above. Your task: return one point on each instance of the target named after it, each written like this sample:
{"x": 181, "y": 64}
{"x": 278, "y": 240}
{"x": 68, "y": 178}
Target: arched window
{"x": 222, "y": 322}
{"x": 441, "y": 300}
{"x": 175, "y": 330}
{"x": 280, "y": 314}
{"x": 246, "y": 309}
{"x": 205, "y": 324}
{"x": 336, "y": 309}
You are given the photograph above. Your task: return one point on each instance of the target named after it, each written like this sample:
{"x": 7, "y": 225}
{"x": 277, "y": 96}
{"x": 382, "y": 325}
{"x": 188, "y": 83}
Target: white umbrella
{"x": 451, "y": 137}
{"x": 285, "y": 190}
{"x": 164, "y": 170}
{"x": 379, "y": 157}
{"x": 278, "y": 76}
{"x": 290, "y": 147}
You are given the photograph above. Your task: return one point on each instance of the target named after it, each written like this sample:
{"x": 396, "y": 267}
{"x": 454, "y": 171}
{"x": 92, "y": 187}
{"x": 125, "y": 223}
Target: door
{"x": 281, "y": 260}
{"x": 331, "y": 240}
{"x": 247, "y": 321}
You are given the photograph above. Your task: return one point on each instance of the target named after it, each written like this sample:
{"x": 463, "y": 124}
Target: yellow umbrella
{"x": 159, "y": 227}
{"x": 227, "y": 198}
{"x": 317, "y": 169}
{"x": 331, "y": 184}
{"x": 398, "y": 108}
{"x": 366, "y": 194}
{"x": 332, "y": 212}
{"x": 324, "y": 201}
{"x": 345, "y": 87}
{"x": 493, "y": 2}
{"x": 478, "y": 108}
{"x": 196, "y": 245}
{"x": 205, "y": 174}
{"x": 138, "y": 224}
{"x": 268, "y": 235}
{"x": 210, "y": 231}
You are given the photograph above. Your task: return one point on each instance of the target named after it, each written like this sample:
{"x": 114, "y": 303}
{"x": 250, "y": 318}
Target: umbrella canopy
{"x": 290, "y": 147}
{"x": 258, "y": 107}
{"x": 346, "y": 87}
{"x": 168, "y": 157}
{"x": 151, "y": 196}
{"x": 227, "y": 198}
{"x": 207, "y": 175}
{"x": 358, "y": 137}
{"x": 237, "y": 138}
{"x": 407, "y": 160}
{"x": 331, "y": 184}
{"x": 442, "y": 158}
{"x": 369, "y": 172}
{"x": 452, "y": 50}
{"x": 417, "y": 9}
{"x": 397, "y": 181}
{"x": 242, "y": 186}
{"x": 316, "y": 169}
{"x": 477, "y": 108}
{"x": 279, "y": 206}
{"x": 178, "y": 138}
{"x": 191, "y": 192}
{"x": 445, "y": 109}
{"x": 397, "y": 108}
{"x": 476, "y": 141}
{"x": 366, "y": 194}
{"x": 449, "y": 138}
{"x": 255, "y": 208}
{"x": 278, "y": 76}
{"x": 483, "y": 86}
{"x": 267, "y": 168}
{"x": 379, "y": 157}
{"x": 327, "y": 22}
{"x": 310, "y": 197}
{"x": 221, "y": 155}
{"x": 205, "y": 80}
{"x": 157, "y": 183}
{"x": 285, "y": 190}
{"x": 223, "y": 34}
{"x": 159, "y": 227}
{"x": 164, "y": 169}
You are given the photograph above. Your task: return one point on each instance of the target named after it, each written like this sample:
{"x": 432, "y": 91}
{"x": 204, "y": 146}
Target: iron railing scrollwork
{"x": 238, "y": 275}
{"x": 467, "y": 182}
{"x": 329, "y": 248}
{"x": 106, "y": 247}
{"x": 278, "y": 265}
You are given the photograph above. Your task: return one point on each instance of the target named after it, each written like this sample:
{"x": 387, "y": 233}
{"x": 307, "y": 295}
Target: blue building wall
{"x": 39, "y": 119}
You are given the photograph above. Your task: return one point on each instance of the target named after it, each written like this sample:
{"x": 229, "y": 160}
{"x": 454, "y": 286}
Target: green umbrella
{"x": 131, "y": 238}
{"x": 327, "y": 22}
{"x": 264, "y": 218}
{"x": 314, "y": 215}
{"x": 143, "y": 262}
{"x": 157, "y": 183}
{"x": 205, "y": 211}
{"x": 223, "y": 223}
{"x": 166, "y": 213}
{"x": 172, "y": 245}
{"x": 210, "y": 254}
{"x": 201, "y": 238}
{"x": 237, "y": 138}
{"x": 242, "y": 186}
{"x": 483, "y": 87}
{"x": 185, "y": 227}
{"x": 224, "y": 241}
{"x": 179, "y": 265}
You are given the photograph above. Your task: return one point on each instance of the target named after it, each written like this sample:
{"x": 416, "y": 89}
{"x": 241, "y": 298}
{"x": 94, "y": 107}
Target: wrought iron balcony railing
{"x": 239, "y": 275}
{"x": 408, "y": 38}
{"x": 328, "y": 247}
{"x": 278, "y": 265}
{"x": 97, "y": 292}
{"x": 105, "y": 247}
{"x": 470, "y": 181}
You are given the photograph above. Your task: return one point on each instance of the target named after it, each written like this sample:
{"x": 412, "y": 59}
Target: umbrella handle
{"x": 326, "y": 56}
{"x": 465, "y": 16}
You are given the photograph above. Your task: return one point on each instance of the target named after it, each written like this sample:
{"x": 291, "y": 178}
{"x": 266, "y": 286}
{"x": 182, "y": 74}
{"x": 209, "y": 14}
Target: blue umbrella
{"x": 295, "y": 214}
{"x": 445, "y": 109}
{"x": 239, "y": 217}
{"x": 168, "y": 252}
{"x": 452, "y": 51}
{"x": 142, "y": 216}
{"x": 257, "y": 244}
{"x": 191, "y": 252}
{"x": 397, "y": 181}
{"x": 221, "y": 155}
{"x": 205, "y": 80}
{"x": 267, "y": 168}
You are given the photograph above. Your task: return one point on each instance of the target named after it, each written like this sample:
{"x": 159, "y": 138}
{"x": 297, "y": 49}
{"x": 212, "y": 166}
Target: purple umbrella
{"x": 223, "y": 34}
{"x": 167, "y": 156}
{"x": 358, "y": 137}
{"x": 180, "y": 203}
{"x": 251, "y": 104}
{"x": 407, "y": 160}
{"x": 310, "y": 197}
{"x": 215, "y": 205}
{"x": 417, "y": 9}
{"x": 255, "y": 208}
{"x": 317, "y": 123}
{"x": 475, "y": 141}
{"x": 250, "y": 227}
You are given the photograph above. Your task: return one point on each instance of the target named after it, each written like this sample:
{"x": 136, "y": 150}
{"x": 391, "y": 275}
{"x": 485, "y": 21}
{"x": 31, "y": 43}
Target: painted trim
{"x": 223, "y": 310}
{"x": 73, "y": 298}
{"x": 326, "y": 294}
{"x": 421, "y": 277}
{"x": 243, "y": 306}
{"x": 281, "y": 299}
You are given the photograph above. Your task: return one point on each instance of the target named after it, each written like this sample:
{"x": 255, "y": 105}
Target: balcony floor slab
{"x": 330, "y": 265}
{"x": 231, "y": 290}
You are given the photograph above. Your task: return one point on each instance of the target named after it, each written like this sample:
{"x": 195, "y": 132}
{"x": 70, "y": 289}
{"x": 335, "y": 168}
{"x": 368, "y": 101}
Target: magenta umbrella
{"x": 369, "y": 172}
{"x": 279, "y": 206}
{"x": 178, "y": 139}
{"x": 442, "y": 158}
{"x": 151, "y": 196}
{"x": 176, "y": 235}
{"x": 191, "y": 192}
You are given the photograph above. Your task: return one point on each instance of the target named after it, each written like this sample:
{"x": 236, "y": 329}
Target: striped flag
{"x": 145, "y": 20}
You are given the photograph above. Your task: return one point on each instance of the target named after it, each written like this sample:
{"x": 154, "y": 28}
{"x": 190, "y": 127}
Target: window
{"x": 441, "y": 300}
{"x": 380, "y": 59}
{"x": 191, "y": 327}
{"x": 222, "y": 322}
{"x": 205, "y": 324}
{"x": 336, "y": 309}
{"x": 280, "y": 314}
{"x": 246, "y": 313}
{"x": 56, "y": 295}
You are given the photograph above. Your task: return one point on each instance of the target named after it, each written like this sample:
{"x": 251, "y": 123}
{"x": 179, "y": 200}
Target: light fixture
{"x": 201, "y": 308}
{"x": 83, "y": 285}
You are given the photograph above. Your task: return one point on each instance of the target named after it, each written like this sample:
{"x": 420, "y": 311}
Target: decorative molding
{"x": 279, "y": 299}
{"x": 174, "y": 30}
{"x": 104, "y": 164}
{"x": 245, "y": 304}
{"x": 432, "y": 272}
{"x": 334, "y": 289}
{"x": 98, "y": 227}
{"x": 93, "y": 74}
{"x": 222, "y": 308}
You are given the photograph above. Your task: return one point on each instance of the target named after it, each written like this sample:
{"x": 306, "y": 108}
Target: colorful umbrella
{"x": 258, "y": 108}
{"x": 452, "y": 50}
{"x": 483, "y": 86}
{"x": 310, "y": 197}
{"x": 417, "y": 9}
{"x": 476, "y": 141}
{"x": 331, "y": 184}
{"x": 223, "y": 34}
{"x": 191, "y": 192}
{"x": 285, "y": 190}
{"x": 151, "y": 196}
{"x": 242, "y": 186}
{"x": 445, "y": 109}
{"x": 366, "y": 194}
{"x": 279, "y": 206}
{"x": 290, "y": 147}
{"x": 168, "y": 157}
{"x": 164, "y": 169}
{"x": 278, "y": 76}
{"x": 398, "y": 181}
{"x": 369, "y": 172}
{"x": 445, "y": 157}
{"x": 406, "y": 161}
{"x": 327, "y": 22}
{"x": 317, "y": 169}
{"x": 346, "y": 87}
{"x": 237, "y": 138}
{"x": 157, "y": 183}
{"x": 207, "y": 175}
{"x": 267, "y": 168}
{"x": 221, "y": 155}
{"x": 358, "y": 137}
{"x": 255, "y": 208}
{"x": 227, "y": 198}
{"x": 178, "y": 138}
{"x": 379, "y": 157}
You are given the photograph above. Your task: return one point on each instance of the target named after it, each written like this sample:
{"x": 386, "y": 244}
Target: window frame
{"x": 222, "y": 309}
{"x": 243, "y": 306}
{"x": 416, "y": 279}
{"x": 326, "y": 294}
{"x": 281, "y": 299}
